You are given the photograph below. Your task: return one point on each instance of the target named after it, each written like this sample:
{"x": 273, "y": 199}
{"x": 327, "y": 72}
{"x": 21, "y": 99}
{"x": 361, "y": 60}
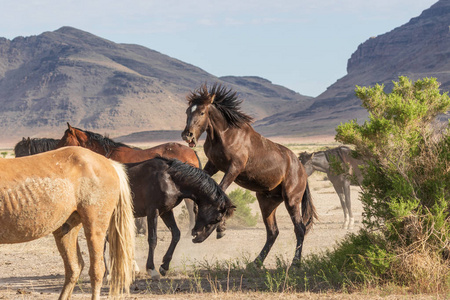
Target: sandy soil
{"x": 35, "y": 270}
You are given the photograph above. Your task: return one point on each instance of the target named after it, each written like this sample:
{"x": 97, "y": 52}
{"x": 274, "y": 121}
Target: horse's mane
{"x": 340, "y": 151}
{"x": 225, "y": 100}
{"x": 104, "y": 141}
{"x": 38, "y": 145}
{"x": 32, "y": 146}
{"x": 194, "y": 177}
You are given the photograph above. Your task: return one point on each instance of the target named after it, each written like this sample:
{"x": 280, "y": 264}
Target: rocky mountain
{"x": 69, "y": 75}
{"x": 418, "y": 49}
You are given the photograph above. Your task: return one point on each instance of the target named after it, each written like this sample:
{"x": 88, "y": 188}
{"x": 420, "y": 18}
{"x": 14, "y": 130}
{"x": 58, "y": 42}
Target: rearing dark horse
{"x": 252, "y": 161}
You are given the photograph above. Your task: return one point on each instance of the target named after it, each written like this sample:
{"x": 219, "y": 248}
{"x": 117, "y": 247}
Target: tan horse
{"x": 126, "y": 154}
{"x": 59, "y": 192}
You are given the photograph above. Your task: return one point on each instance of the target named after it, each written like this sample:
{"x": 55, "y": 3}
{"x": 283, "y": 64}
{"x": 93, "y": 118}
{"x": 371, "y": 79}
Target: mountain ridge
{"x": 69, "y": 75}
{"x": 420, "y": 48}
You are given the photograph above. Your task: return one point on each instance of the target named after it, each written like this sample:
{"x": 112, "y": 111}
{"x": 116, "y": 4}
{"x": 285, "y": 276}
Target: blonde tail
{"x": 121, "y": 237}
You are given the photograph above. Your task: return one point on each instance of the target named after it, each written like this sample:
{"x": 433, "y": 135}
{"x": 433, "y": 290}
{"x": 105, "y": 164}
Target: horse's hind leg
{"x": 95, "y": 232}
{"x": 292, "y": 199}
{"x": 268, "y": 205}
{"x": 169, "y": 220}
{"x": 152, "y": 223}
{"x": 67, "y": 243}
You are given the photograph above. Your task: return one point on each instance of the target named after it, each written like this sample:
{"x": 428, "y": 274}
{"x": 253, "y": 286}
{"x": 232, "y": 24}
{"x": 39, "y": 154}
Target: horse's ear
{"x": 229, "y": 211}
{"x": 212, "y": 98}
{"x": 70, "y": 128}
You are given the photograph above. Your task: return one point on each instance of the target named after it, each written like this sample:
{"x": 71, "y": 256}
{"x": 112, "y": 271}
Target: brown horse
{"x": 252, "y": 161}
{"x": 125, "y": 154}
{"x": 77, "y": 188}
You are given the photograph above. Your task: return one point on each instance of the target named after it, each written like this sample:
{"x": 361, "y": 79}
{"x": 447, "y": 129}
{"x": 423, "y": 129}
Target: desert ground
{"x": 34, "y": 270}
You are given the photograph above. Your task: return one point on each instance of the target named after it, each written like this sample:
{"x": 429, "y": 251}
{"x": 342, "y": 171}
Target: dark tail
{"x": 199, "y": 162}
{"x": 309, "y": 213}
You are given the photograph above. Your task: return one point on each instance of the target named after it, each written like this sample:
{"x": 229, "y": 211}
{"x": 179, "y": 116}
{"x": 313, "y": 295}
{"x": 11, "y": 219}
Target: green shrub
{"x": 243, "y": 214}
{"x": 406, "y": 187}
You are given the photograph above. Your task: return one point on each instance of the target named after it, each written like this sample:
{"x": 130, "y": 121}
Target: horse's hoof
{"x": 154, "y": 274}
{"x": 255, "y": 265}
{"x": 136, "y": 267}
{"x": 163, "y": 271}
{"x": 220, "y": 234}
{"x": 351, "y": 224}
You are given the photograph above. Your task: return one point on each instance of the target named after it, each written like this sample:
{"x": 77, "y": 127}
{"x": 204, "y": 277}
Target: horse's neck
{"x": 97, "y": 148}
{"x": 321, "y": 163}
{"x": 217, "y": 126}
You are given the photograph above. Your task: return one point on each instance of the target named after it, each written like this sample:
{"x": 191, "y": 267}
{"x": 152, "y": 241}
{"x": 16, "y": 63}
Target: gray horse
{"x": 342, "y": 170}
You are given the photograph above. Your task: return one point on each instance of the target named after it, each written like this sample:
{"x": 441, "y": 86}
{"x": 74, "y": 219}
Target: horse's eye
{"x": 219, "y": 217}
{"x": 202, "y": 113}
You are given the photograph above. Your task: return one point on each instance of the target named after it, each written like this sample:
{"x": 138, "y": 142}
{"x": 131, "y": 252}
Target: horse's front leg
{"x": 227, "y": 180}
{"x": 191, "y": 211}
{"x": 348, "y": 204}
{"x": 152, "y": 222}
{"x": 210, "y": 168}
{"x": 170, "y": 222}
{"x": 68, "y": 247}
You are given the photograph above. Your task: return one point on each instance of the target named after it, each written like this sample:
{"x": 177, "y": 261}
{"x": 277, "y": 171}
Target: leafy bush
{"x": 243, "y": 214}
{"x": 406, "y": 187}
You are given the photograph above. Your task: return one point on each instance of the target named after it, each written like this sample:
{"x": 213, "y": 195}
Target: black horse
{"x": 28, "y": 146}
{"x": 160, "y": 184}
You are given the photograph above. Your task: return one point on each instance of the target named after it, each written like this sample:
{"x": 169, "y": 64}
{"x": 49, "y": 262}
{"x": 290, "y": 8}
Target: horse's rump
{"x": 39, "y": 193}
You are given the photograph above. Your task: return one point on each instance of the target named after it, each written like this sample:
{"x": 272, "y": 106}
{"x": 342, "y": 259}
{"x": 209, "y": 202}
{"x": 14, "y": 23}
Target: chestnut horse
{"x": 125, "y": 154}
{"x": 158, "y": 185}
{"x": 252, "y": 161}
{"x": 61, "y": 191}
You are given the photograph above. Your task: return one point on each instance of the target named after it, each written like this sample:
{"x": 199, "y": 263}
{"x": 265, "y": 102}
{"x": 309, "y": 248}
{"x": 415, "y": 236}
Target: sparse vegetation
{"x": 243, "y": 214}
{"x": 405, "y": 192}
{"x": 404, "y": 245}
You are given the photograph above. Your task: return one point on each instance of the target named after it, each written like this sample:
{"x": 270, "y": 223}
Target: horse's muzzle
{"x": 201, "y": 235}
{"x": 189, "y": 138}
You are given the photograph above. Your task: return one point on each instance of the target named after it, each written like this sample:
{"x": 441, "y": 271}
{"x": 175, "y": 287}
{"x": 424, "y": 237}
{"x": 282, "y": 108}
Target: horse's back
{"x": 178, "y": 151}
{"x": 38, "y": 193}
{"x": 269, "y": 164}
{"x": 170, "y": 150}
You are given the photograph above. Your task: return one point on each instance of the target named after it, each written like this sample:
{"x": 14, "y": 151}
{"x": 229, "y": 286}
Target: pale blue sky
{"x": 301, "y": 44}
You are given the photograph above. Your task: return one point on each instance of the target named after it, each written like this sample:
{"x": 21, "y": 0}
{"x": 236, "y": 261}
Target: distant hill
{"x": 69, "y": 75}
{"x": 418, "y": 49}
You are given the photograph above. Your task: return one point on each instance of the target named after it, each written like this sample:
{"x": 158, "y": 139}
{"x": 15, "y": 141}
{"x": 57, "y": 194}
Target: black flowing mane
{"x": 225, "y": 100}
{"x": 194, "y": 177}
{"x": 32, "y": 146}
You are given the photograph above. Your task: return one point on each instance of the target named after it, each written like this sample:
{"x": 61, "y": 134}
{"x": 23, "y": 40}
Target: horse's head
{"x": 197, "y": 115}
{"x": 73, "y": 137}
{"x": 307, "y": 161}
{"x": 208, "y": 217}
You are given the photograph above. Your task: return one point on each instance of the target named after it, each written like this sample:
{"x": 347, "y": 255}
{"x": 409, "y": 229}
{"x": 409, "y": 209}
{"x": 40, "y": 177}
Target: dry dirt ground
{"x": 35, "y": 270}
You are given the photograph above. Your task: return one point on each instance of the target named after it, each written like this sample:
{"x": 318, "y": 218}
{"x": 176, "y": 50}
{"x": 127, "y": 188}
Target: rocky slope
{"x": 418, "y": 49}
{"x": 69, "y": 75}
